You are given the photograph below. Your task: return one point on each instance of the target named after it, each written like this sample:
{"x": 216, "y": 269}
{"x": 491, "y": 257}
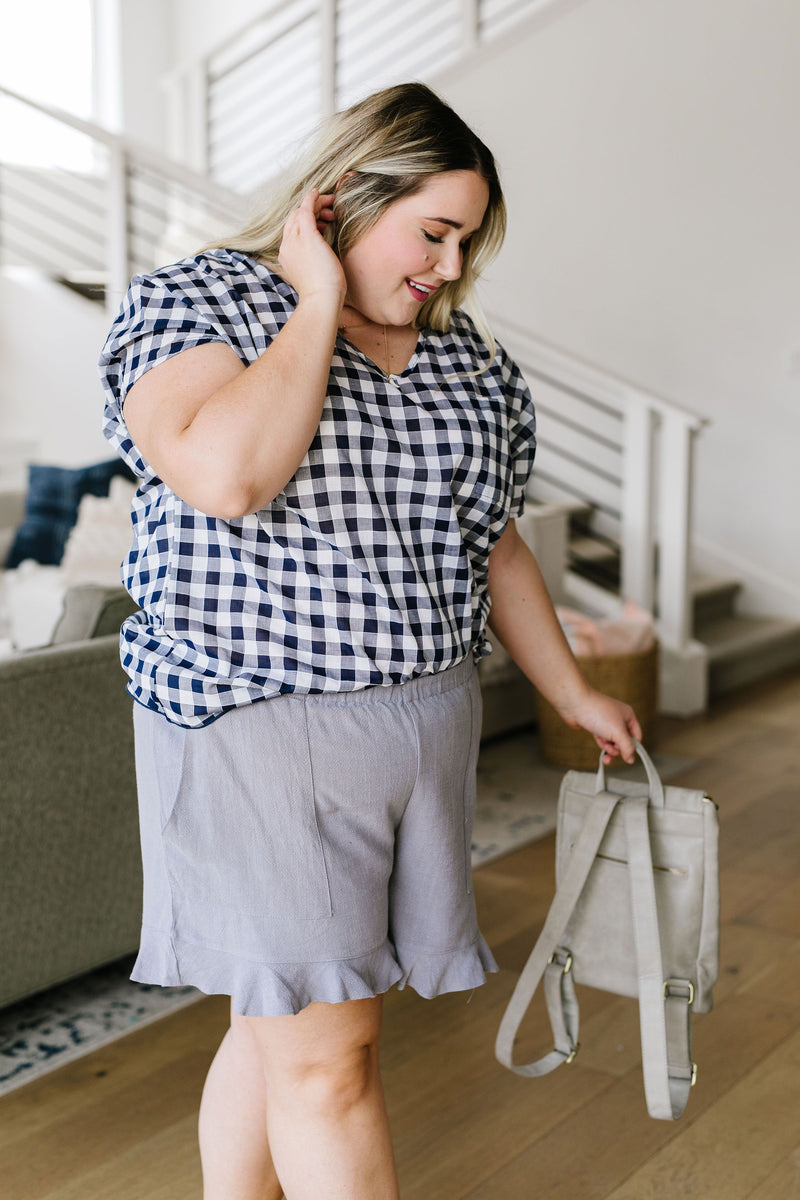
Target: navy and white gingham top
{"x": 371, "y": 565}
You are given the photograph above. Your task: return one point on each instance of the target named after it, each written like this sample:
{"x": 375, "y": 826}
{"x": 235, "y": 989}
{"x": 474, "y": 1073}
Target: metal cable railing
{"x": 266, "y": 87}
{"x": 628, "y": 456}
{"x": 125, "y": 209}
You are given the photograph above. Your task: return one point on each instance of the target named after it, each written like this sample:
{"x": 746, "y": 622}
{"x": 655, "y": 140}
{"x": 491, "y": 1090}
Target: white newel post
{"x": 469, "y": 25}
{"x": 327, "y": 46}
{"x": 196, "y": 117}
{"x": 638, "y": 565}
{"x": 674, "y": 518}
{"x": 186, "y": 107}
{"x": 117, "y": 250}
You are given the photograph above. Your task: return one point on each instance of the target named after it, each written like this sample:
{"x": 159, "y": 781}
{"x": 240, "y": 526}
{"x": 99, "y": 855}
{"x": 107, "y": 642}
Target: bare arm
{"x": 227, "y": 438}
{"x": 524, "y": 620}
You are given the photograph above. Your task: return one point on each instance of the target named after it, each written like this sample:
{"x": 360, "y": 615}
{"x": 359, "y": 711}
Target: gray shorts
{"x": 314, "y": 847}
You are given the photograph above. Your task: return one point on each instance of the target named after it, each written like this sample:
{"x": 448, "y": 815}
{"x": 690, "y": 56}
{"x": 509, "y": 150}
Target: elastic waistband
{"x": 398, "y": 693}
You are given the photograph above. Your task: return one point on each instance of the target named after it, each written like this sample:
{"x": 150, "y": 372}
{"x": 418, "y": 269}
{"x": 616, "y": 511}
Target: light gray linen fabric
{"x": 313, "y": 848}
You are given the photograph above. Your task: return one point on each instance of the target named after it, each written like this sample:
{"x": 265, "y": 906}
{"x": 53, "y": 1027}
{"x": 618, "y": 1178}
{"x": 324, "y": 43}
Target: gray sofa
{"x": 70, "y": 874}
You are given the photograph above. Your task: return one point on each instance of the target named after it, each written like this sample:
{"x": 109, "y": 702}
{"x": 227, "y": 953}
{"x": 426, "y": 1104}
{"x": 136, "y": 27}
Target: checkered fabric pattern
{"x": 371, "y": 566}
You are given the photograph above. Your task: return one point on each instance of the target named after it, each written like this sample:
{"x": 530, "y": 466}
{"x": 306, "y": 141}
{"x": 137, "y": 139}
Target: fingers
{"x": 324, "y": 219}
{"x": 634, "y": 730}
{"x": 619, "y": 742}
{"x": 318, "y": 203}
{"x": 624, "y": 747}
{"x": 305, "y": 259}
{"x": 623, "y": 741}
{"x": 318, "y": 207}
{"x": 312, "y": 208}
{"x": 610, "y": 750}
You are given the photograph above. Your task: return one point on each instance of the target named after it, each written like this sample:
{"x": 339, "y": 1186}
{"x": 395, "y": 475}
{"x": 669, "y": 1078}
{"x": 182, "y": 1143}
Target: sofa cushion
{"x": 12, "y": 510}
{"x": 92, "y": 611}
{"x": 51, "y": 509}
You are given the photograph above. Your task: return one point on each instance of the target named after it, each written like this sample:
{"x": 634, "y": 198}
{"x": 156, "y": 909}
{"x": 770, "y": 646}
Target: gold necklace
{"x": 363, "y": 325}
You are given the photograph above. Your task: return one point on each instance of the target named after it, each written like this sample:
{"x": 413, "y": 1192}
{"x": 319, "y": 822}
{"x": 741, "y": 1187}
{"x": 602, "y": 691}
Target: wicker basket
{"x": 629, "y": 677}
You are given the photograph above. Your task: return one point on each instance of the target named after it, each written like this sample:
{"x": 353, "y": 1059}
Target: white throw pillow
{"x": 100, "y": 538}
{"x": 33, "y": 596}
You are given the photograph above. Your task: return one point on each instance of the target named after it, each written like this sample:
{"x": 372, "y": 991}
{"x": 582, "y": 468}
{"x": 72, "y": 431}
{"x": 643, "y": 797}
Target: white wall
{"x": 134, "y": 48}
{"x": 200, "y": 25}
{"x": 53, "y": 338}
{"x": 649, "y": 153}
{"x": 138, "y": 44}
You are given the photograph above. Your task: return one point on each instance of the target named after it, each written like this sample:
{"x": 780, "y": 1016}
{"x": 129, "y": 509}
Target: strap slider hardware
{"x": 572, "y": 1053}
{"x": 566, "y": 965}
{"x": 694, "y": 1075}
{"x": 679, "y": 987}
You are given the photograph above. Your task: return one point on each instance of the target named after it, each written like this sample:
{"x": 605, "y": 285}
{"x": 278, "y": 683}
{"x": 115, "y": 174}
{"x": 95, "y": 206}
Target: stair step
{"x": 595, "y": 561}
{"x": 714, "y": 597}
{"x": 742, "y": 650}
{"x": 580, "y": 518}
{"x": 591, "y": 550}
{"x": 93, "y": 287}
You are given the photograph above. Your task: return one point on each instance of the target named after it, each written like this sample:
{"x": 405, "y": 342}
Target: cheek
{"x": 389, "y": 251}
{"x": 386, "y": 254}
{"x": 408, "y": 257}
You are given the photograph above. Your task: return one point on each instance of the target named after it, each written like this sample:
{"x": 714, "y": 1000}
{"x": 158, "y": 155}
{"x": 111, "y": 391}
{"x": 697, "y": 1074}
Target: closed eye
{"x": 463, "y": 246}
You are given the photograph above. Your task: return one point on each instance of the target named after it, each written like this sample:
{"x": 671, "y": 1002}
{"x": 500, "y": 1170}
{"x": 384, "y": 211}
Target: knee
{"x": 324, "y": 1060}
{"x": 329, "y": 1085}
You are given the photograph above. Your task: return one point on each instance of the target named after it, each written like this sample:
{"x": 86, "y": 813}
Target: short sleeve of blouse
{"x": 522, "y": 428}
{"x": 159, "y": 317}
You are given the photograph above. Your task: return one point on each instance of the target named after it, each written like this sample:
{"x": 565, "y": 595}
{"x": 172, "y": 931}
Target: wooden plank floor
{"x": 120, "y": 1124}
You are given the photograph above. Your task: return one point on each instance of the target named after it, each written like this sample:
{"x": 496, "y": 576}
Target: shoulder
{"x": 466, "y": 343}
{"x": 212, "y": 277}
{"x": 464, "y": 336}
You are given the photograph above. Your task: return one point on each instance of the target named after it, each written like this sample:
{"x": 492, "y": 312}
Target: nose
{"x": 449, "y": 262}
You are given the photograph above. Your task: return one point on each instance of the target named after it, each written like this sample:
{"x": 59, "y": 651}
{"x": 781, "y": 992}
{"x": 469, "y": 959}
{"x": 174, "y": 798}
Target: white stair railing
{"x": 623, "y": 451}
{"x": 626, "y": 453}
{"x": 129, "y": 210}
{"x": 236, "y": 112}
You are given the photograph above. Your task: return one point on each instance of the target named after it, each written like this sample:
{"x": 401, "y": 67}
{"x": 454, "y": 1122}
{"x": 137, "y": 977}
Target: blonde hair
{"x": 382, "y": 149}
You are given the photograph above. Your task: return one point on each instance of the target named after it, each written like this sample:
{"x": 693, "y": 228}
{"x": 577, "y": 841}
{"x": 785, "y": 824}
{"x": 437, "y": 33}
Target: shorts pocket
{"x": 169, "y": 743}
{"x": 470, "y": 777}
{"x": 242, "y": 836}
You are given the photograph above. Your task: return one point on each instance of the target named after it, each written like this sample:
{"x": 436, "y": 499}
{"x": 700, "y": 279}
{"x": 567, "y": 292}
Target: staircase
{"x": 739, "y": 649}
{"x": 615, "y": 462}
{"x": 93, "y": 229}
{"x": 319, "y": 56}
{"x": 613, "y": 483}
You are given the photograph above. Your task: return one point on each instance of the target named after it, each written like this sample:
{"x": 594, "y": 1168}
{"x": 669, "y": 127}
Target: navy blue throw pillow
{"x": 51, "y": 508}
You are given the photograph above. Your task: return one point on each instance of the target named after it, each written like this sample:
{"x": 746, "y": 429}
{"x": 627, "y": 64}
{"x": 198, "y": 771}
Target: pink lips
{"x": 418, "y": 293}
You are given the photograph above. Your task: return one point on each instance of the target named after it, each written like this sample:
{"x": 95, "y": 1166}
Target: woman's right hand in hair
{"x": 227, "y": 438}
{"x": 305, "y": 259}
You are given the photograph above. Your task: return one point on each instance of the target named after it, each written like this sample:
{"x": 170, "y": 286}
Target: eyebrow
{"x": 446, "y": 221}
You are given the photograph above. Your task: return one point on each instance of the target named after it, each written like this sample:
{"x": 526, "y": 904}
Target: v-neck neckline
{"x": 410, "y": 365}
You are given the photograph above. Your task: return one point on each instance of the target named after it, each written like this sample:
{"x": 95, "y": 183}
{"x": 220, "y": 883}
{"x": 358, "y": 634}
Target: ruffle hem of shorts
{"x": 261, "y": 989}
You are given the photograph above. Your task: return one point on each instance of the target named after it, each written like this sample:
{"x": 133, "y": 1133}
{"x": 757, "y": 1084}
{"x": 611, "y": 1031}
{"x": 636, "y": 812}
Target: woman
{"x": 330, "y": 453}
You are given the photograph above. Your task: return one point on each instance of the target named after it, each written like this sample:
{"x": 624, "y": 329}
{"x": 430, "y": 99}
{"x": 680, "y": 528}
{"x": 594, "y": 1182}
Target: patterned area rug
{"x": 62, "y": 1024}
{"x": 517, "y": 794}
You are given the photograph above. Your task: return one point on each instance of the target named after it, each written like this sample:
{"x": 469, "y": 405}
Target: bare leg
{"x": 325, "y": 1113}
{"x": 234, "y": 1148}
